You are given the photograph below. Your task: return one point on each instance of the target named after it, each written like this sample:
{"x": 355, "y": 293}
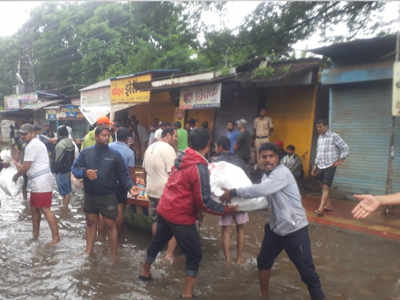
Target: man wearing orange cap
{"x": 89, "y": 139}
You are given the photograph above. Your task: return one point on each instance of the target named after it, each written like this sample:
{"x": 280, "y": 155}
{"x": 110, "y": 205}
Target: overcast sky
{"x": 13, "y": 14}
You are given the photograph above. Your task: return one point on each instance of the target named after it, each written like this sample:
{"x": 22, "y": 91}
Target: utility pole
{"x": 389, "y": 179}
{"x": 19, "y": 88}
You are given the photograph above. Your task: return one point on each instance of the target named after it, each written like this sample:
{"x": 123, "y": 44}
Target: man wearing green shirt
{"x": 182, "y": 137}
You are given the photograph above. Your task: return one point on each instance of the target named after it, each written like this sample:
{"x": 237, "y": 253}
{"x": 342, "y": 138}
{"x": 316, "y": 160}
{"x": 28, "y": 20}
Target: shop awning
{"x": 93, "y": 112}
{"x": 13, "y": 113}
{"x": 122, "y": 106}
{"x": 42, "y": 104}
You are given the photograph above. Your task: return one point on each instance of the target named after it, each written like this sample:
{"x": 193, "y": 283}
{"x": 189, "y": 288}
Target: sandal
{"x": 319, "y": 213}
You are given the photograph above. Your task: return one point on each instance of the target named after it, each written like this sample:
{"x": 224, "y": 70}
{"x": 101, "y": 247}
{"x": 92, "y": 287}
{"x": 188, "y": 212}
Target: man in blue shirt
{"x": 121, "y": 146}
{"x": 103, "y": 171}
{"x": 232, "y": 134}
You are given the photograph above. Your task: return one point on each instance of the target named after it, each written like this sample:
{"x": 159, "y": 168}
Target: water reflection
{"x": 351, "y": 266}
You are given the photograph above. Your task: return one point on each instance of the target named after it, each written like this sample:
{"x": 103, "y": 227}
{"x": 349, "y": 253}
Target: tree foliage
{"x": 274, "y": 27}
{"x": 66, "y": 46}
{"x": 8, "y": 65}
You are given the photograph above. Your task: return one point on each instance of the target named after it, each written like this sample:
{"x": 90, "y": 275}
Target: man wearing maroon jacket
{"x": 185, "y": 195}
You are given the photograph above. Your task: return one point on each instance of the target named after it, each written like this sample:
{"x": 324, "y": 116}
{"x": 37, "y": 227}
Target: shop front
{"x": 69, "y": 115}
{"x": 132, "y": 96}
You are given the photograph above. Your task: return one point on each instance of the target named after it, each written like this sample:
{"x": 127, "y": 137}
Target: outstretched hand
{"x": 368, "y": 204}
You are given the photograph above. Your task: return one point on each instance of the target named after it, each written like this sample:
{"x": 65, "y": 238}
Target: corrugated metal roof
{"x": 284, "y": 72}
{"x": 48, "y": 95}
{"x": 191, "y": 83}
{"x": 97, "y": 85}
{"x": 361, "y": 50}
{"x": 42, "y": 104}
{"x": 155, "y": 73}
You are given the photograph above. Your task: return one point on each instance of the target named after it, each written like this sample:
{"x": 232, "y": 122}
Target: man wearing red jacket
{"x": 185, "y": 195}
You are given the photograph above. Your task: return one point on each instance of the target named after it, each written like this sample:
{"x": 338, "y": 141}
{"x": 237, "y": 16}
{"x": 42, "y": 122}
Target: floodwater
{"x": 351, "y": 266}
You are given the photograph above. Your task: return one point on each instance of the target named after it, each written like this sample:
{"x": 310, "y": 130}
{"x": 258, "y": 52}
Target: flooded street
{"x": 351, "y": 266}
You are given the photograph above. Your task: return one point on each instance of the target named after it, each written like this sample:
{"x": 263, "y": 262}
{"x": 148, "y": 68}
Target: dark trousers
{"x": 298, "y": 247}
{"x": 187, "y": 238}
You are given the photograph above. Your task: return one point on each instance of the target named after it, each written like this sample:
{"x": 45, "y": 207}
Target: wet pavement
{"x": 384, "y": 223}
{"x": 351, "y": 265}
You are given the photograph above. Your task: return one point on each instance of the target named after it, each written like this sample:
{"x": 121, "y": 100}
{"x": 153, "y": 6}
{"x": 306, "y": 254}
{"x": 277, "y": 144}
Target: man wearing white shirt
{"x": 37, "y": 168}
{"x": 158, "y": 161}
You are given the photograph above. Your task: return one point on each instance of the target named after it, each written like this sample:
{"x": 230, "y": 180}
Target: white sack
{"x": 5, "y": 156}
{"x": 7, "y": 185}
{"x": 224, "y": 175}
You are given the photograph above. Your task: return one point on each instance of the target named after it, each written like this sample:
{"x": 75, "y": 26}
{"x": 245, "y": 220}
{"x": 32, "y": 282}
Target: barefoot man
{"x": 288, "y": 227}
{"x": 37, "y": 168}
{"x": 103, "y": 172}
{"x": 185, "y": 195}
{"x": 239, "y": 219}
{"x": 158, "y": 161}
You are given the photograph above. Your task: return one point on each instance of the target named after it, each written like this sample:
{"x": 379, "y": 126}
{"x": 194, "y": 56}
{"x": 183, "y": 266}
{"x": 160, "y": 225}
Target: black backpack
{"x": 64, "y": 164}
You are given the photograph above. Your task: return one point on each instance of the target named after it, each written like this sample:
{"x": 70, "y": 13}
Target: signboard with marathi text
{"x": 205, "y": 96}
{"x": 134, "y": 89}
{"x": 396, "y": 90}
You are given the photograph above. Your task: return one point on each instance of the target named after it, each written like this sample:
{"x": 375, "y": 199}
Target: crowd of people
{"x": 175, "y": 159}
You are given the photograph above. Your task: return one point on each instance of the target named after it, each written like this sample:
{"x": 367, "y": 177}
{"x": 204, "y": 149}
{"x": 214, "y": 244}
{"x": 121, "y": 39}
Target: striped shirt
{"x": 330, "y": 148}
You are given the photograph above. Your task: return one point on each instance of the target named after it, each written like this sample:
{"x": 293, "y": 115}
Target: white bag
{"x": 5, "y": 156}
{"x": 7, "y": 185}
{"x": 224, "y": 175}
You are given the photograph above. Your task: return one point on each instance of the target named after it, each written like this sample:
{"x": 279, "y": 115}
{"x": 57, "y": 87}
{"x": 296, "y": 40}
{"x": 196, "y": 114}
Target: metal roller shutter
{"x": 361, "y": 115}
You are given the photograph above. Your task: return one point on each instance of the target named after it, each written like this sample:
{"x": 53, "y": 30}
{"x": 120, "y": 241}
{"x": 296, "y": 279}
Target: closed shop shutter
{"x": 361, "y": 115}
{"x": 396, "y": 161}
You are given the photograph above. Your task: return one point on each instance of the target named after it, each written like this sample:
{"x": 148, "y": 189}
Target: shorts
{"x": 64, "y": 183}
{"x": 106, "y": 205}
{"x": 326, "y": 175}
{"x": 153, "y": 209}
{"x": 122, "y": 195}
{"x": 238, "y": 219}
{"x": 41, "y": 200}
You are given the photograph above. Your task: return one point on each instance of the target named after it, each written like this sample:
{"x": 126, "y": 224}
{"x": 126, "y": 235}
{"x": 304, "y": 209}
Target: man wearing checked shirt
{"x": 331, "y": 152}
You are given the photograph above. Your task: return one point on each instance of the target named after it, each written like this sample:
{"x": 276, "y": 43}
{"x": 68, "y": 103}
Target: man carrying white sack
{"x": 288, "y": 228}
